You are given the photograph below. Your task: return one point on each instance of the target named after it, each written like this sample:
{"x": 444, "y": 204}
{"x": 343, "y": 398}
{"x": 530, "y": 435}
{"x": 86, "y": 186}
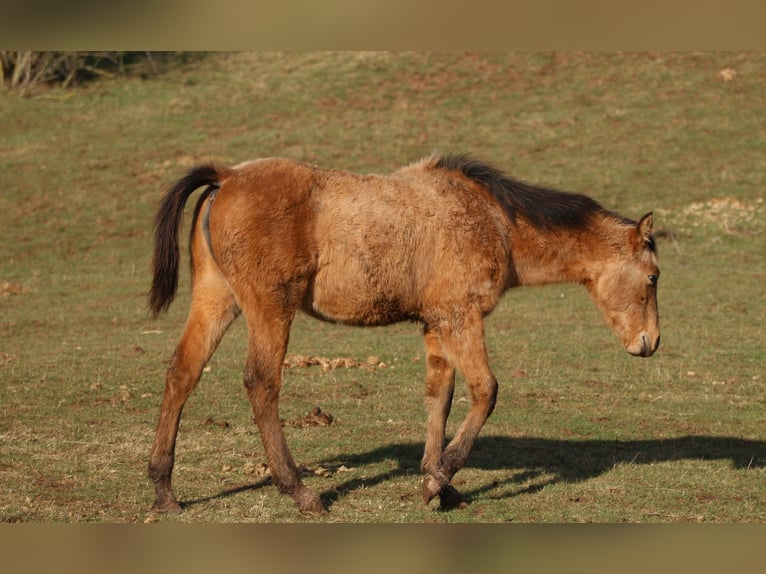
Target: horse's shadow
{"x": 533, "y": 463}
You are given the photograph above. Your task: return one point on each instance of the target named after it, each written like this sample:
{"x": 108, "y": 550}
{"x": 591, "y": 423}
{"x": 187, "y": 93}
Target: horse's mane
{"x": 544, "y": 208}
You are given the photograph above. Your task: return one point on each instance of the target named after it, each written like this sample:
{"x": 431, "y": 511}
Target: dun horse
{"x": 437, "y": 242}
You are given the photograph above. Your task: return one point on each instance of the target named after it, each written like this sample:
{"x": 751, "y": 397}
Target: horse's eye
{"x": 653, "y": 279}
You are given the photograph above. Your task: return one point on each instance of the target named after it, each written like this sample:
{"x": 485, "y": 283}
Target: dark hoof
{"x": 451, "y": 499}
{"x": 310, "y": 505}
{"x": 167, "y": 507}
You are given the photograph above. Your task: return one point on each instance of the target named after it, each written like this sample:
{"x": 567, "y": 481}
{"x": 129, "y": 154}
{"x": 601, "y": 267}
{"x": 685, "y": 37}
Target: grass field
{"x": 582, "y": 431}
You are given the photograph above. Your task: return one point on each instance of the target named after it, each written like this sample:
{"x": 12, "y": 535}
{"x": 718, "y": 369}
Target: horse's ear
{"x": 643, "y": 234}
{"x": 645, "y": 227}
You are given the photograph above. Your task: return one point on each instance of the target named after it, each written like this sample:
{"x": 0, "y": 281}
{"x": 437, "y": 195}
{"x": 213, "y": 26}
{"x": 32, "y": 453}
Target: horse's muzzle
{"x": 644, "y": 346}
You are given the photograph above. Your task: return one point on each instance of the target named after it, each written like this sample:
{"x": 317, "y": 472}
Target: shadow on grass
{"x": 265, "y": 482}
{"x": 534, "y": 463}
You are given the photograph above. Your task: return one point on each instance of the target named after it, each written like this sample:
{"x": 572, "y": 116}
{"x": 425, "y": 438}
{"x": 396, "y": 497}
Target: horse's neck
{"x": 541, "y": 257}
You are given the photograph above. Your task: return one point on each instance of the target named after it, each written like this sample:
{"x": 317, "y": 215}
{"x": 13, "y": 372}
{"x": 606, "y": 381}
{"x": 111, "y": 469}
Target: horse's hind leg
{"x": 464, "y": 345}
{"x": 269, "y": 328}
{"x": 440, "y": 384}
{"x": 212, "y": 311}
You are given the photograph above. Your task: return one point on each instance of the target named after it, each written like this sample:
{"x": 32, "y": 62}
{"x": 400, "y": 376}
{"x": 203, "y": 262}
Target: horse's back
{"x": 373, "y": 249}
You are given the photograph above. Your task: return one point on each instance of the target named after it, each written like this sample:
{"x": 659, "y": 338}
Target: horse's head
{"x": 624, "y": 286}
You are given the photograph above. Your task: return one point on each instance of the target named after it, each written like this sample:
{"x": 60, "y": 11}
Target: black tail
{"x": 167, "y": 225}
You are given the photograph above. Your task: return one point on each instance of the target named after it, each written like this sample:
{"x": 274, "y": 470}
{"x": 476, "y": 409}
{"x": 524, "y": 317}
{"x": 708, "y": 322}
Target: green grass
{"x": 582, "y": 431}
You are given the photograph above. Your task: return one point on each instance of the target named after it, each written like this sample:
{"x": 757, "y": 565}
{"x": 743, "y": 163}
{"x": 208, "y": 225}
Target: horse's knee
{"x": 262, "y": 379}
{"x": 437, "y": 368}
{"x": 259, "y": 371}
{"x": 250, "y": 380}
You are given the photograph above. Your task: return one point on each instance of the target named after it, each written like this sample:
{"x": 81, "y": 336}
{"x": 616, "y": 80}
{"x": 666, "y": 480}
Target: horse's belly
{"x": 345, "y": 295}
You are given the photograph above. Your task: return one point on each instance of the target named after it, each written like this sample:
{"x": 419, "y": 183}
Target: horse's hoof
{"x": 167, "y": 507}
{"x": 311, "y": 505}
{"x": 431, "y": 488}
{"x": 451, "y": 499}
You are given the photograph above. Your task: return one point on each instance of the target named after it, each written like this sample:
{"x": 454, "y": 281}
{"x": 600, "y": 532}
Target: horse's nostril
{"x": 648, "y": 347}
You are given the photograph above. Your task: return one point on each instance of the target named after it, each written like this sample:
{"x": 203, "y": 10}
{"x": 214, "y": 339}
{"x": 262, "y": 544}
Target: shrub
{"x": 28, "y": 71}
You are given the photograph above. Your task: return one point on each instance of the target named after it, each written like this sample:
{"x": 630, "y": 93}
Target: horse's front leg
{"x": 440, "y": 384}
{"x": 464, "y": 345}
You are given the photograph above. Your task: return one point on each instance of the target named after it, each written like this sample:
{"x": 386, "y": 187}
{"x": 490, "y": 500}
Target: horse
{"x": 437, "y": 242}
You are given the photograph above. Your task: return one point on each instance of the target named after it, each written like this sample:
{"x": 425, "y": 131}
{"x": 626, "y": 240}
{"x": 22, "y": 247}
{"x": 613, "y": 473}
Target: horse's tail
{"x": 167, "y": 226}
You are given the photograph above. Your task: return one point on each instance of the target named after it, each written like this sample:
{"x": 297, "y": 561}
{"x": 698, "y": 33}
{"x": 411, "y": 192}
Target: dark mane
{"x": 544, "y": 208}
